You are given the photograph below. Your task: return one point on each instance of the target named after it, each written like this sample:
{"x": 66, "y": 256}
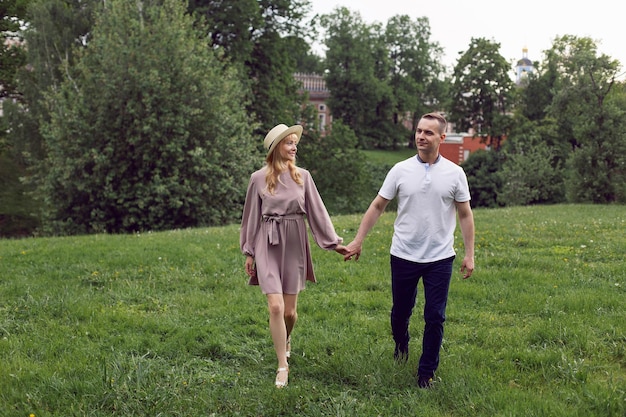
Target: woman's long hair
{"x": 276, "y": 164}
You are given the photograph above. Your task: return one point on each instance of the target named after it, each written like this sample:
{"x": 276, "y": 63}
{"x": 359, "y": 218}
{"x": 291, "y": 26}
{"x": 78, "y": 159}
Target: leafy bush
{"x": 338, "y": 168}
{"x": 482, "y": 169}
{"x": 149, "y": 133}
{"x": 16, "y": 206}
{"x": 528, "y": 177}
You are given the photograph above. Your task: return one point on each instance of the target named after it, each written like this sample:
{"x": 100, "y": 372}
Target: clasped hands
{"x": 349, "y": 251}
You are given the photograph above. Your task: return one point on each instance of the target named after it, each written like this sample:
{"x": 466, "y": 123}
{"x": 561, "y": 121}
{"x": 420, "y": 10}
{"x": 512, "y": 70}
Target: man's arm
{"x": 466, "y": 222}
{"x": 374, "y": 211}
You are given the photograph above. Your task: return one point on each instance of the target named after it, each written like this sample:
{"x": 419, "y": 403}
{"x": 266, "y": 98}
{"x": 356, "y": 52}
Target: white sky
{"x": 533, "y": 24}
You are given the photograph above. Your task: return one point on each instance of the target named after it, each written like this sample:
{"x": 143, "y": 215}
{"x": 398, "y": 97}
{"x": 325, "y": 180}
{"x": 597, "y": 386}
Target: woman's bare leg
{"x": 278, "y": 330}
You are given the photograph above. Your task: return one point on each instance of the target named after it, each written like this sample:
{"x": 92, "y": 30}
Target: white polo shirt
{"x": 426, "y": 219}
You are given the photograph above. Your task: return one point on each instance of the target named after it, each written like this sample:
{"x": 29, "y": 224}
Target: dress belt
{"x": 275, "y": 219}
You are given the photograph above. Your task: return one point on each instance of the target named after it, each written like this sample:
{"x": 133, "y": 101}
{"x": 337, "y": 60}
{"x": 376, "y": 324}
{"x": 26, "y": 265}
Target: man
{"x": 431, "y": 190}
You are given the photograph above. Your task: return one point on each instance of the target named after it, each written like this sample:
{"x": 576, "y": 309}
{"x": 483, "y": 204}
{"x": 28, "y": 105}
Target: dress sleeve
{"x": 319, "y": 220}
{"x": 250, "y": 220}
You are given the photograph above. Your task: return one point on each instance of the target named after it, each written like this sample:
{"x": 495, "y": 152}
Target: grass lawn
{"x": 389, "y": 157}
{"x": 163, "y": 324}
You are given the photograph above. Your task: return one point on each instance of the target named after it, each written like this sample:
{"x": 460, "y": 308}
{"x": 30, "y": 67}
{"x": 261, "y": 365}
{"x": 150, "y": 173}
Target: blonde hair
{"x": 276, "y": 164}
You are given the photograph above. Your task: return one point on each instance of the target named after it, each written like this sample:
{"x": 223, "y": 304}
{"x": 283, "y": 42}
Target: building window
{"x": 322, "y": 107}
{"x": 322, "y": 120}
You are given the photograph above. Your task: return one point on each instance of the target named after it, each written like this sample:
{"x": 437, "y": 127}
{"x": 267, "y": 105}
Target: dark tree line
{"x": 123, "y": 116}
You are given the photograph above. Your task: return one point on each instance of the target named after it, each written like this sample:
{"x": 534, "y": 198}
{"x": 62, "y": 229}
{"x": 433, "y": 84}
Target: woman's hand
{"x": 250, "y": 267}
{"x": 341, "y": 249}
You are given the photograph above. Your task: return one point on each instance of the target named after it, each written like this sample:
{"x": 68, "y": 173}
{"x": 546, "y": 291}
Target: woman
{"x": 274, "y": 235}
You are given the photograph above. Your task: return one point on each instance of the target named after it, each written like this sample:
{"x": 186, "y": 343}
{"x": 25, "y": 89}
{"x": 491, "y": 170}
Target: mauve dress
{"x": 273, "y": 231}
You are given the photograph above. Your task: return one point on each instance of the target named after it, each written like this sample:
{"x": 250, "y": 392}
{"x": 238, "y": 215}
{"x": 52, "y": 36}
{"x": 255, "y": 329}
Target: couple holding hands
{"x": 431, "y": 192}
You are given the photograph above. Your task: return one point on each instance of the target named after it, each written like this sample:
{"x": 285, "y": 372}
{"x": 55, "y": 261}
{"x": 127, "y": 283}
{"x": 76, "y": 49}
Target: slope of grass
{"x": 164, "y": 324}
{"x": 387, "y": 157}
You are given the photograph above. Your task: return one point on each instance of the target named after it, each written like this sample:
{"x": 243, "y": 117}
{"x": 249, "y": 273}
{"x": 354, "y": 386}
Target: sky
{"x": 531, "y": 24}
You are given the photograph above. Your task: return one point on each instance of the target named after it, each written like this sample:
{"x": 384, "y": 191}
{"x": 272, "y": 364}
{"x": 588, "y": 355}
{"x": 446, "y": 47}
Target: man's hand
{"x": 467, "y": 267}
{"x": 352, "y": 250}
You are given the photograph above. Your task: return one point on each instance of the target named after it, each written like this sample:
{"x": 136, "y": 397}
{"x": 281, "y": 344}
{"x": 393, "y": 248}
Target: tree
{"x": 274, "y": 90}
{"x": 591, "y": 118}
{"x": 537, "y": 92}
{"x": 149, "y": 132}
{"x": 357, "y": 74}
{"x": 482, "y": 92}
{"x": 27, "y": 74}
{"x": 483, "y": 176}
{"x": 56, "y": 30}
{"x": 12, "y": 54}
{"x": 532, "y": 168}
{"x": 415, "y": 71}
{"x": 258, "y": 37}
{"x": 322, "y": 156}
{"x": 307, "y": 61}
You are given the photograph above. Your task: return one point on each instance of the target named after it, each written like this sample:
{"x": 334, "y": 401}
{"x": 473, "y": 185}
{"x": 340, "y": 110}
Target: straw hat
{"x": 278, "y": 133}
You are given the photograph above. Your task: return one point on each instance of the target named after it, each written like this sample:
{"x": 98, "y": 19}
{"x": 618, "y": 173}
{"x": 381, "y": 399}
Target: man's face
{"x": 427, "y": 137}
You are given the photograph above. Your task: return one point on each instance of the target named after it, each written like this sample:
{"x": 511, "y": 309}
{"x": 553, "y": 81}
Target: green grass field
{"x": 163, "y": 324}
{"x": 389, "y": 157}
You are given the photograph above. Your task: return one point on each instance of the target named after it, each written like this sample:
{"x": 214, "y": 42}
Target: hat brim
{"x": 296, "y": 129}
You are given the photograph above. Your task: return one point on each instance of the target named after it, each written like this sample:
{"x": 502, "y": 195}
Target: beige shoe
{"x": 282, "y": 376}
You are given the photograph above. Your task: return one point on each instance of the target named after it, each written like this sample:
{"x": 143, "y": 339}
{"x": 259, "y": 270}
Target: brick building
{"x": 315, "y": 86}
{"x": 457, "y": 147}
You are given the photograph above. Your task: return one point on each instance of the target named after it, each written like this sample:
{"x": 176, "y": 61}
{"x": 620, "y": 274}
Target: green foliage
{"x": 532, "y": 170}
{"x": 415, "y": 68}
{"x": 337, "y": 152}
{"x": 265, "y": 40}
{"x": 528, "y": 177}
{"x": 12, "y": 54}
{"x": 55, "y": 30}
{"x": 589, "y": 105}
{"x": 483, "y": 175}
{"x": 163, "y": 324}
{"x": 596, "y": 174}
{"x": 356, "y": 90}
{"x": 230, "y": 24}
{"x": 16, "y": 215}
{"x": 482, "y": 91}
{"x": 537, "y": 93}
{"x": 275, "y": 97}
{"x": 307, "y": 62}
{"x": 16, "y": 218}
{"x": 149, "y": 133}
{"x": 381, "y": 78}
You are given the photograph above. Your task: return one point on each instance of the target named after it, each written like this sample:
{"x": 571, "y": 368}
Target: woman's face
{"x": 289, "y": 147}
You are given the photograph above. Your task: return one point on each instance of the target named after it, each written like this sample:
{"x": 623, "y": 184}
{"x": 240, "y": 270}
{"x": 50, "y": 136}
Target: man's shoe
{"x": 425, "y": 382}
{"x": 401, "y": 352}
